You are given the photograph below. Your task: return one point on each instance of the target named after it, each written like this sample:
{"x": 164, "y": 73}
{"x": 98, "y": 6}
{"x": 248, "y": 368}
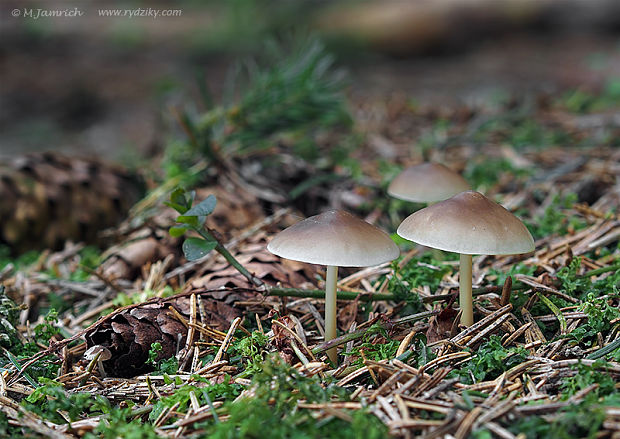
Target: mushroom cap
{"x": 96, "y": 349}
{"x": 427, "y": 183}
{"x": 334, "y": 238}
{"x": 468, "y": 223}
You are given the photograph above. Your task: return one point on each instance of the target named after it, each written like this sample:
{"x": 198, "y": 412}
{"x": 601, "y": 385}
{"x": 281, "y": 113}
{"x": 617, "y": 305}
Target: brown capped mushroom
{"x": 468, "y": 223}
{"x": 336, "y": 239}
{"x": 427, "y": 183}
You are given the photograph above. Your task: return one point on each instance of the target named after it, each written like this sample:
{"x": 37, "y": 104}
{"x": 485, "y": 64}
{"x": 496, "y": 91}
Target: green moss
{"x": 520, "y": 129}
{"x": 51, "y": 397}
{"x": 120, "y": 423}
{"x": 581, "y": 101}
{"x": 376, "y": 346}
{"x": 420, "y": 271}
{"x": 204, "y": 392}
{"x": 19, "y": 262}
{"x": 168, "y": 366}
{"x": 484, "y": 173}
{"x": 585, "y": 376}
{"x": 250, "y": 352}
{"x": 581, "y": 420}
{"x": 490, "y": 361}
{"x": 601, "y": 312}
{"x": 273, "y": 408}
{"x": 18, "y": 352}
{"x": 556, "y": 219}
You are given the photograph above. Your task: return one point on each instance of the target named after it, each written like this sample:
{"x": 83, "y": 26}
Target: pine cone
{"x": 129, "y": 332}
{"x": 48, "y": 199}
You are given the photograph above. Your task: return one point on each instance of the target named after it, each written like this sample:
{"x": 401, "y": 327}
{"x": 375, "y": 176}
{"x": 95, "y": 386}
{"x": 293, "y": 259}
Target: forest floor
{"x": 135, "y": 340}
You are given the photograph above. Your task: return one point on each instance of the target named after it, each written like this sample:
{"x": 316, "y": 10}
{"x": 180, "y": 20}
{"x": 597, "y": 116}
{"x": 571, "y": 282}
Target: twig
{"x": 208, "y": 234}
{"x": 372, "y": 329}
{"x": 227, "y": 340}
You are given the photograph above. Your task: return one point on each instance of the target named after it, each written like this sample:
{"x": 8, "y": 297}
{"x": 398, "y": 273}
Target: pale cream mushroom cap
{"x": 334, "y": 238}
{"x": 427, "y": 183}
{"x": 96, "y": 349}
{"x": 468, "y": 223}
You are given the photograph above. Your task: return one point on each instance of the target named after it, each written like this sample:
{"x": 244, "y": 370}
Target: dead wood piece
{"x": 126, "y": 262}
{"x": 480, "y": 324}
{"x": 488, "y": 330}
{"x": 527, "y": 280}
{"x": 444, "y": 359}
{"x": 496, "y": 411}
{"x": 352, "y": 376}
{"x": 533, "y": 332}
{"x": 516, "y": 334}
{"x": 387, "y": 385}
{"x": 500, "y": 431}
{"x": 434, "y": 381}
{"x": 428, "y": 405}
{"x": 467, "y": 423}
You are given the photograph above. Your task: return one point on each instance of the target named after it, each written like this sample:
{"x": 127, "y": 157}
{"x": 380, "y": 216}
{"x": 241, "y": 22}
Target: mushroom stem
{"x": 331, "y": 279}
{"x": 465, "y": 298}
{"x": 100, "y": 367}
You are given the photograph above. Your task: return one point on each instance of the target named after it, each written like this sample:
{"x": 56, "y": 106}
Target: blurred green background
{"x": 102, "y": 85}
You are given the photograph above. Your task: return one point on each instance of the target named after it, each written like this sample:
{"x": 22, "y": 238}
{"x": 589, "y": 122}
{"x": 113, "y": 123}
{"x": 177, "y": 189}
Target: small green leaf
{"x": 178, "y": 196}
{"x": 605, "y": 350}
{"x": 555, "y": 310}
{"x": 175, "y": 206}
{"x": 205, "y": 207}
{"x": 189, "y": 220}
{"x": 189, "y": 199}
{"x": 177, "y": 231}
{"x": 15, "y": 362}
{"x": 178, "y": 201}
{"x": 196, "y": 248}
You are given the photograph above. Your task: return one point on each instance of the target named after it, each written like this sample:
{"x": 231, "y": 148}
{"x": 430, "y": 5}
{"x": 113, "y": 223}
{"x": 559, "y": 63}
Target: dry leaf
{"x": 440, "y": 325}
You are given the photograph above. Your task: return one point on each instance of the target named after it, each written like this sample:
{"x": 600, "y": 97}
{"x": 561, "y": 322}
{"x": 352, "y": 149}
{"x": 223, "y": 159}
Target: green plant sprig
{"x": 193, "y": 218}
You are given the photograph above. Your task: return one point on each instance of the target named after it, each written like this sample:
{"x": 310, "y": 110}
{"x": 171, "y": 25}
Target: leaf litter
{"x": 196, "y": 349}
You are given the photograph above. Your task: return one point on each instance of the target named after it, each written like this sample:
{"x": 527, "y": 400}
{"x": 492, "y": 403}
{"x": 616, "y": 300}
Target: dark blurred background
{"x": 102, "y": 85}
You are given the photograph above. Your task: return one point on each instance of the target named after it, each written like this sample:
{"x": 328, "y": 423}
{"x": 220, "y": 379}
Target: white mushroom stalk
{"x": 466, "y": 300}
{"x": 97, "y": 354}
{"x": 335, "y": 239}
{"x": 331, "y": 312}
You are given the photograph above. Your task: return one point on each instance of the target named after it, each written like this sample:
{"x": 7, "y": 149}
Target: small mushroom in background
{"x": 335, "y": 239}
{"x": 468, "y": 223}
{"x": 97, "y": 355}
{"x": 427, "y": 183}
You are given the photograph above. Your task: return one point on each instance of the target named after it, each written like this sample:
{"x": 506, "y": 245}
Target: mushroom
{"x": 468, "y": 223}
{"x": 97, "y": 354}
{"x": 427, "y": 183}
{"x": 335, "y": 239}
